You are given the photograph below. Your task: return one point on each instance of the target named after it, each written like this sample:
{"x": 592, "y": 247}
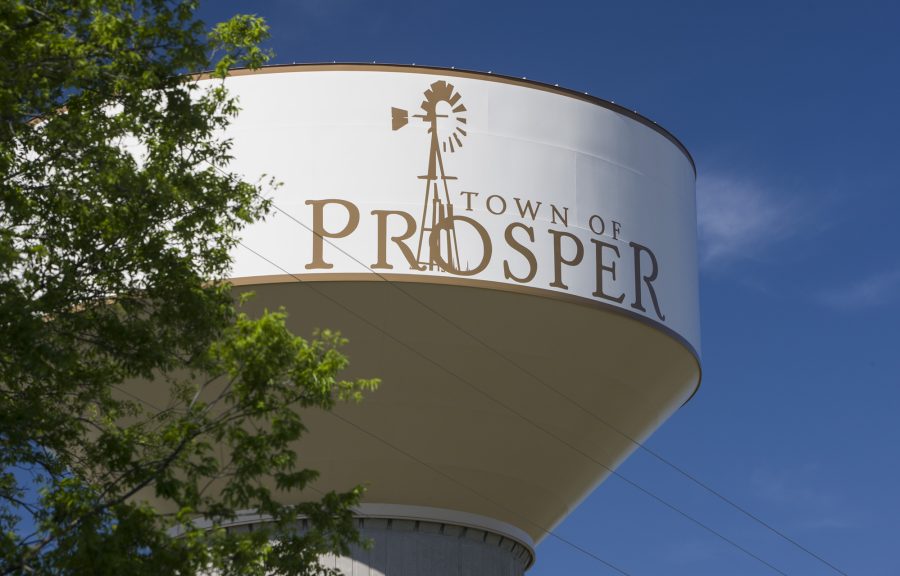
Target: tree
{"x": 113, "y": 267}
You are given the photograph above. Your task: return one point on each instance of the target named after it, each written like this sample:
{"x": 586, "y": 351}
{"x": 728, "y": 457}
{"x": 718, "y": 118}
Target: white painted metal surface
{"x": 548, "y": 192}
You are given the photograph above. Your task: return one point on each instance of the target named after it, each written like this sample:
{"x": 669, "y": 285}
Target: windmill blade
{"x": 399, "y": 118}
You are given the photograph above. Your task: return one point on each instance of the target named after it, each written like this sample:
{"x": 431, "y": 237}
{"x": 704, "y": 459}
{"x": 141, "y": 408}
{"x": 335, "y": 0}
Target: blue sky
{"x": 790, "y": 111}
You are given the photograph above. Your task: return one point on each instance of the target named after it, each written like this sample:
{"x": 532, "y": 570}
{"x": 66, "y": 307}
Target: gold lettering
{"x": 502, "y": 202}
{"x": 382, "y": 216}
{"x": 601, "y": 268}
{"x": 558, "y": 259}
{"x": 469, "y": 199}
{"x": 320, "y": 233}
{"x": 434, "y": 240}
{"x": 528, "y": 208}
{"x": 563, "y": 216}
{"x": 602, "y": 225}
{"x": 518, "y": 247}
{"x": 648, "y": 279}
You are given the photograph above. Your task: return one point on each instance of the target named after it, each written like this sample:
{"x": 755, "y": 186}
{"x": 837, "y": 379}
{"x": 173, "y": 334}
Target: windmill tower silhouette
{"x": 437, "y": 205}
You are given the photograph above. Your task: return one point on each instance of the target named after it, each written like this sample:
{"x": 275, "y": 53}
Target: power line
{"x": 519, "y": 414}
{"x": 414, "y": 458}
{"x": 418, "y": 460}
{"x": 572, "y": 401}
{"x": 659, "y": 457}
{"x": 482, "y": 496}
{"x": 568, "y": 398}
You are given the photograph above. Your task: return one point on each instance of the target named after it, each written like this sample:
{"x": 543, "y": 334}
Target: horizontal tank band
{"x": 462, "y": 73}
{"x": 425, "y": 514}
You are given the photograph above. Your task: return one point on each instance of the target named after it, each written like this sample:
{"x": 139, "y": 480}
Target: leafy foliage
{"x": 117, "y": 214}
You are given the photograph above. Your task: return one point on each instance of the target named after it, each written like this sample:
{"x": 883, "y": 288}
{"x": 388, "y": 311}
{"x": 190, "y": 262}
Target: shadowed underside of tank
{"x": 519, "y": 430}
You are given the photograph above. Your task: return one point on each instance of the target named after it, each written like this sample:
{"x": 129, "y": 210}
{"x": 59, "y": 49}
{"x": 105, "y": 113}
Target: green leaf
{"x": 113, "y": 268}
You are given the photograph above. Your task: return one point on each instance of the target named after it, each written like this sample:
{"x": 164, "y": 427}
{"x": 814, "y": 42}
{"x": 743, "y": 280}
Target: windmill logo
{"x": 443, "y": 113}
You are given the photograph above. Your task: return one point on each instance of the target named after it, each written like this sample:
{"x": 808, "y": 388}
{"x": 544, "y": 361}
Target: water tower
{"x": 517, "y": 262}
